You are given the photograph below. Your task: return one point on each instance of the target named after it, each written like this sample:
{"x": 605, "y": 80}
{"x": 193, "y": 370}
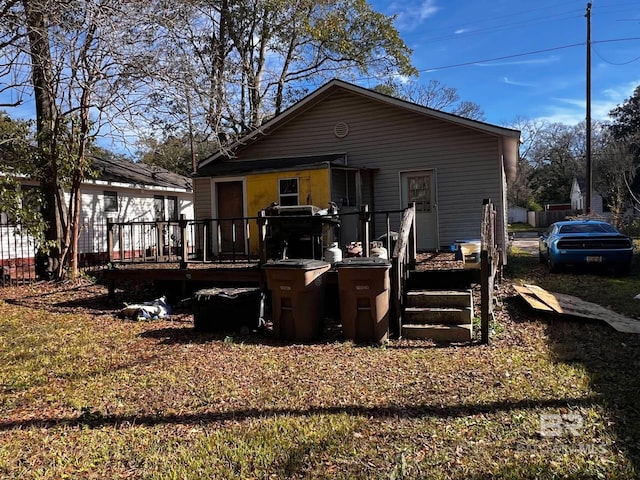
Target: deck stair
{"x": 440, "y": 315}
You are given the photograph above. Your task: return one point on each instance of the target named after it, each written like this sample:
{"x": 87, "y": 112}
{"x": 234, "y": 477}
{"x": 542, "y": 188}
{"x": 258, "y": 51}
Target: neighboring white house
{"x": 123, "y": 192}
{"x": 578, "y": 199}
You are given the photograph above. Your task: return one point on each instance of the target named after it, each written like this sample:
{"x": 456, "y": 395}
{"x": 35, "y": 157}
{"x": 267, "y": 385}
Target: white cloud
{"x": 412, "y": 14}
{"x": 618, "y": 94}
{"x": 508, "y": 81}
{"x": 572, "y": 111}
{"x": 461, "y": 31}
{"x": 428, "y": 9}
{"x": 533, "y": 61}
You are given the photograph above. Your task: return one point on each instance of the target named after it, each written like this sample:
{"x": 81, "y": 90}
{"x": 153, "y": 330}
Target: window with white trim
{"x": 158, "y": 207}
{"x": 110, "y": 201}
{"x": 172, "y": 208}
{"x": 288, "y": 191}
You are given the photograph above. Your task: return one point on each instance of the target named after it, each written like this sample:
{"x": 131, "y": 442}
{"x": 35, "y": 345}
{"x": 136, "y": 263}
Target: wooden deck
{"x": 409, "y": 269}
{"x": 251, "y": 272}
{"x": 195, "y": 274}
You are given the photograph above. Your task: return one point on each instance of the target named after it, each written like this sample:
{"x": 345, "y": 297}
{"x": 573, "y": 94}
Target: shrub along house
{"x": 354, "y": 146}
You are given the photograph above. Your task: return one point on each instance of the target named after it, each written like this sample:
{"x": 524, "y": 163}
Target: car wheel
{"x": 553, "y": 266}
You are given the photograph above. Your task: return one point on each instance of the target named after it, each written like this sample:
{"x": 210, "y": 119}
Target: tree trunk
{"x": 46, "y": 118}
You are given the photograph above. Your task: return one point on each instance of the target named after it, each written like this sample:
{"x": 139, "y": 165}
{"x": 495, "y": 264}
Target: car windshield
{"x": 587, "y": 228}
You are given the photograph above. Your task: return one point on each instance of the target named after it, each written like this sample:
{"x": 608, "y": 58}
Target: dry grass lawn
{"x": 84, "y": 394}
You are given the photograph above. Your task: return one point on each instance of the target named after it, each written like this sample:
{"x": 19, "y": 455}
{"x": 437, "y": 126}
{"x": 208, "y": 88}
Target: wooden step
{"x": 439, "y": 333}
{"x": 438, "y": 315}
{"x": 440, "y": 298}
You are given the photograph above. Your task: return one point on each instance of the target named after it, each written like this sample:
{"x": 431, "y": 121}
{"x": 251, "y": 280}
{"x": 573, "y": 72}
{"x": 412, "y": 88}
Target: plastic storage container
{"x": 363, "y": 285}
{"x": 470, "y": 250}
{"x": 228, "y": 308}
{"x": 297, "y": 295}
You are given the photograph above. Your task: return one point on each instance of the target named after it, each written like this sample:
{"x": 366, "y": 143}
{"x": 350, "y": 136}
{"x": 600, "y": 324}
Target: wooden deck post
{"x": 158, "y": 241}
{"x": 262, "y": 236}
{"x": 183, "y": 237}
{"x": 365, "y": 218}
{"x": 413, "y": 239}
{"x": 110, "y": 239}
{"x": 395, "y": 319}
{"x": 486, "y": 269}
{"x": 484, "y": 295}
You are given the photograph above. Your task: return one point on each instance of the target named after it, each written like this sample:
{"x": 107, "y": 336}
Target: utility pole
{"x": 588, "y": 118}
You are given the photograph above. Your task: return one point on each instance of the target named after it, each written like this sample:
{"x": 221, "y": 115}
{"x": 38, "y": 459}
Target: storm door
{"x": 419, "y": 187}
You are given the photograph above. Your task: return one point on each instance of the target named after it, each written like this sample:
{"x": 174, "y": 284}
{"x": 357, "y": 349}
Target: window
{"x": 420, "y": 192}
{"x": 28, "y": 199}
{"x": 172, "y": 208}
{"x": 110, "y": 201}
{"x": 158, "y": 207}
{"x": 288, "y": 191}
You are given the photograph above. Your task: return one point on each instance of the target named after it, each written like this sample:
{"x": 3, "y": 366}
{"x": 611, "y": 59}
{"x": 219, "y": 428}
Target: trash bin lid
{"x": 363, "y": 262}
{"x": 226, "y": 292}
{"x": 297, "y": 263}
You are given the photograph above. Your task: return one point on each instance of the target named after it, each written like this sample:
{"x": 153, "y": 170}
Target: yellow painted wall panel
{"x": 262, "y": 189}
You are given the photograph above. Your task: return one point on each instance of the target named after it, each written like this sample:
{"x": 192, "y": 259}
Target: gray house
{"x": 375, "y": 150}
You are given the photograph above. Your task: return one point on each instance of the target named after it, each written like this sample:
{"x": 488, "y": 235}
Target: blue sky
{"x": 548, "y": 85}
{"x": 515, "y": 57}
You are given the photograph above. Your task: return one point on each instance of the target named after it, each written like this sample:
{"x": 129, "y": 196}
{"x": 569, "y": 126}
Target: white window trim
{"x": 289, "y": 195}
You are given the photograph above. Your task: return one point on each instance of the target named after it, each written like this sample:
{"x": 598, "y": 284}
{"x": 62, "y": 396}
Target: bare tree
{"x": 71, "y": 57}
{"x": 433, "y": 95}
{"x": 613, "y": 173}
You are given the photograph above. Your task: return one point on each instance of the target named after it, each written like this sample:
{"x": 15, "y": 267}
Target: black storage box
{"x": 228, "y": 308}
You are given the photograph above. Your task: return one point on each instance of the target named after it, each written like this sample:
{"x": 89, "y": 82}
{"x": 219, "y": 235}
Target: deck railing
{"x": 403, "y": 260}
{"x": 245, "y": 239}
{"x": 181, "y": 241}
{"x": 489, "y": 263}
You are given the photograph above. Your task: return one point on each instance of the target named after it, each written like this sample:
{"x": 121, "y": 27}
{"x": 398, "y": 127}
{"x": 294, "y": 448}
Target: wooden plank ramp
{"x": 541, "y": 299}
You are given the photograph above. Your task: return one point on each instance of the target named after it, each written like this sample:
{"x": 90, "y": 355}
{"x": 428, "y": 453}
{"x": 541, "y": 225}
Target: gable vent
{"x": 341, "y": 130}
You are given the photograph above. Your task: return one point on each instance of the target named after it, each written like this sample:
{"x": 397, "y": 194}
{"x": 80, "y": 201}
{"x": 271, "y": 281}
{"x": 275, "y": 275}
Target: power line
{"x": 614, "y": 63}
{"x": 533, "y": 52}
{"x": 485, "y": 20}
{"x": 465, "y": 32}
{"x": 505, "y": 57}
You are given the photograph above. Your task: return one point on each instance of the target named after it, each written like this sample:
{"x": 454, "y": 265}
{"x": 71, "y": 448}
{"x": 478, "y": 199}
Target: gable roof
{"x": 334, "y": 85}
{"x": 134, "y": 173}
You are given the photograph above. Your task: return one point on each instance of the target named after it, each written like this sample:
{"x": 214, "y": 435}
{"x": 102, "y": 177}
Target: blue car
{"x": 585, "y": 243}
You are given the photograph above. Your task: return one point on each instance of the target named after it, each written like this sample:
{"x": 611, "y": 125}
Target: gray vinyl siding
{"x": 391, "y": 139}
{"x": 202, "y": 197}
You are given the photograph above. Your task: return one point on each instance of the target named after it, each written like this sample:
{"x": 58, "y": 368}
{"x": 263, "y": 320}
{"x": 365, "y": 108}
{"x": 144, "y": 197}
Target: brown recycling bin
{"x": 364, "y": 286}
{"x": 297, "y": 298}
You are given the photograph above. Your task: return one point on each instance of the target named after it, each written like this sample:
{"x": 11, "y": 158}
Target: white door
{"x": 419, "y": 187}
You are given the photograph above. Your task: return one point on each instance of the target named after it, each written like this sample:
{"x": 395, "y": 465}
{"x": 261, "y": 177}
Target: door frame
{"x": 434, "y": 196}
{"x": 214, "y": 202}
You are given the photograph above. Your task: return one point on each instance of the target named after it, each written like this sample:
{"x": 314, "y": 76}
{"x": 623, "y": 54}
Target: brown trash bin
{"x": 364, "y": 286}
{"x": 297, "y": 298}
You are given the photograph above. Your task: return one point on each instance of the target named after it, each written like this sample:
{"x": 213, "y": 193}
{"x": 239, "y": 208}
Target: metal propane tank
{"x": 333, "y": 253}
{"x": 377, "y": 250}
